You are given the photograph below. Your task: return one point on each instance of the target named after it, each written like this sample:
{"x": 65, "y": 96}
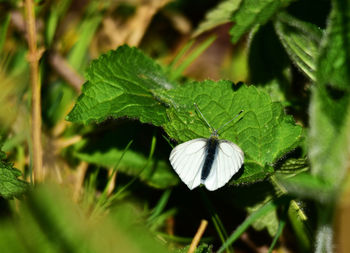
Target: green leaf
{"x": 269, "y": 220}
{"x": 157, "y": 173}
{"x": 305, "y": 185}
{"x": 10, "y": 185}
{"x": 263, "y": 131}
{"x": 221, "y": 14}
{"x": 330, "y": 120}
{"x": 329, "y": 108}
{"x": 334, "y": 59}
{"x": 204, "y": 248}
{"x": 293, "y": 166}
{"x": 301, "y": 41}
{"x": 279, "y": 231}
{"x": 201, "y": 248}
{"x": 329, "y": 136}
{"x": 252, "y": 13}
{"x": 301, "y": 225}
{"x": 121, "y": 83}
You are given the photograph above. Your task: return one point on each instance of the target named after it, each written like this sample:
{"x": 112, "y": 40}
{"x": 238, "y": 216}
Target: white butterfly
{"x": 211, "y": 161}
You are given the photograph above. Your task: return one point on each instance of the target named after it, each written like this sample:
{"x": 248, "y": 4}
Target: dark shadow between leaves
{"x": 237, "y": 86}
{"x": 335, "y": 93}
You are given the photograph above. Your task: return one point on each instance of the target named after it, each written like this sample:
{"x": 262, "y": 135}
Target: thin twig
{"x": 33, "y": 58}
{"x": 57, "y": 61}
{"x": 198, "y": 236}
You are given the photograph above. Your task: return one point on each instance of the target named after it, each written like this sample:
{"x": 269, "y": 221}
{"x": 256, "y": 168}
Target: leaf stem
{"x": 33, "y": 59}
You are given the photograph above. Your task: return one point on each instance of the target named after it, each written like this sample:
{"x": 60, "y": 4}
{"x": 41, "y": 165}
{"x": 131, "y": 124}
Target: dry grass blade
{"x": 198, "y": 236}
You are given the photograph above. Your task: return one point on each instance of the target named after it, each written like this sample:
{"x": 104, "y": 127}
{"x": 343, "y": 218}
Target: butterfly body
{"x": 211, "y": 149}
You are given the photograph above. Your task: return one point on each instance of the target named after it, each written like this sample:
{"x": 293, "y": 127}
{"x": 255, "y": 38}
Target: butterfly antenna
{"x": 204, "y": 118}
{"x": 229, "y": 121}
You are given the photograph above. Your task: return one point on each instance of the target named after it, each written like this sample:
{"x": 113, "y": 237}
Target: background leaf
{"x": 329, "y": 136}
{"x": 119, "y": 84}
{"x": 334, "y": 59}
{"x": 330, "y": 121}
{"x": 221, "y": 14}
{"x": 10, "y": 185}
{"x": 301, "y": 41}
{"x": 252, "y": 13}
{"x": 329, "y": 109}
{"x": 268, "y": 220}
{"x": 307, "y": 186}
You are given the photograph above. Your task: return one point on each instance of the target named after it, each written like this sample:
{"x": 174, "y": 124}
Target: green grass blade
{"x": 109, "y": 200}
{"x": 280, "y": 228}
{"x": 160, "y": 206}
{"x": 220, "y": 229}
{"x": 104, "y": 196}
{"x": 196, "y": 52}
{"x": 4, "y": 24}
{"x": 278, "y": 234}
{"x": 56, "y": 13}
{"x": 161, "y": 219}
{"x": 115, "y": 169}
{"x": 271, "y": 205}
{"x": 78, "y": 55}
{"x": 183, "y": 51}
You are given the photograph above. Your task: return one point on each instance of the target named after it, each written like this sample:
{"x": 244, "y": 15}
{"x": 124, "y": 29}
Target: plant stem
{"x": 33, "y": 58}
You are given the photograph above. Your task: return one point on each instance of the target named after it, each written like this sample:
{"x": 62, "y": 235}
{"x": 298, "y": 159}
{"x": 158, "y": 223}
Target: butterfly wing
{"x": 228, "y": 161}
{"x": 187, "y": 160}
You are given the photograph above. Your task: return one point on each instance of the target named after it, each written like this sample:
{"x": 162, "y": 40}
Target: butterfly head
{"x": 215, "y": 131}
{"x": 214, "y": 134}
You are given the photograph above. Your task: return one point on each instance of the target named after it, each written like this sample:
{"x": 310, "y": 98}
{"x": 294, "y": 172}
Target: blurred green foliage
{"x": 50, "y": 222}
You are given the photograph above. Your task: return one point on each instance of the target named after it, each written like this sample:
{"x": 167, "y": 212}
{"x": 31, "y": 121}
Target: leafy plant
{"x": 10, "y": 185}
